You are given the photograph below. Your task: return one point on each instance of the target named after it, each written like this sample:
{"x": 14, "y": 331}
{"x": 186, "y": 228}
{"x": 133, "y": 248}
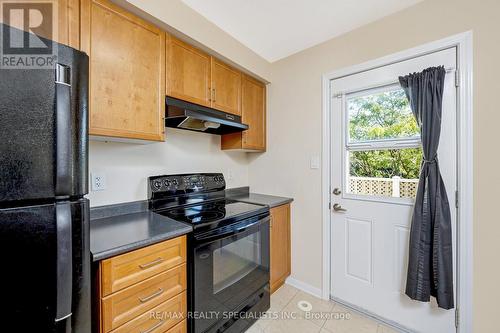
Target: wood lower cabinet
{"x": 127, "y": 269}
{"x": 164, "y": 318}
{"x": 253, "y": 113}
{"x": 188, "y": 72}
{"x": 127, "y": 72}
{"x": 226, "y": 87}
{"x": 280, "y": 246}
{"x": 144, "y": 289}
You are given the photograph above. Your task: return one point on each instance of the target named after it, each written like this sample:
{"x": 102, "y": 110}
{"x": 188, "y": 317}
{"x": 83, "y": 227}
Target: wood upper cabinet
{"x": 226, "y": 87}
{"x": 69, "y": 23}
{"x": 194, "y": 76}
{"x": 253, "y": 113}
{"x": 188, "y": 72}
{"x": 280, "y": 246}
{"x": 67, "y": 29}
{"x": 127, "y": 72}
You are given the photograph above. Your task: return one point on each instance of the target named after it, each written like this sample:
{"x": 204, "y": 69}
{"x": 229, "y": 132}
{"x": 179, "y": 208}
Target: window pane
{"x": 381, "y": 115}
{"x": 391, "y": 173}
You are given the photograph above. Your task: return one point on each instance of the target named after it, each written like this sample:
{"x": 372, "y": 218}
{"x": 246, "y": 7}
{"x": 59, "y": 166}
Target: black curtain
{"x": 430, "y": 266}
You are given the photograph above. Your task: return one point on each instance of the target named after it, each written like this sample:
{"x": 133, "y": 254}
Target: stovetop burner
{"x": 195, "y": 214}
{"x": 211, "y": 211}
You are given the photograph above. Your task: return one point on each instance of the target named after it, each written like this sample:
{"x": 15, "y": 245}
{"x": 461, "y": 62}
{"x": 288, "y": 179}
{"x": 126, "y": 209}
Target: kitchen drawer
{"x": 179, "y": 328}
{"x": 126, "y": 304}
{"x": 159, "y": 319}
{"x": 124, "y": 270}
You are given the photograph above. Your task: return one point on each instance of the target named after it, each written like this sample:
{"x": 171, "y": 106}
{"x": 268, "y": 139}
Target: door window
{"x": 383, "y": 151}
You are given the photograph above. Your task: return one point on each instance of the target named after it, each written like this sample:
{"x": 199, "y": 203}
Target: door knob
{"x": 338, "y": 208}
{"x": 336, "y": 191}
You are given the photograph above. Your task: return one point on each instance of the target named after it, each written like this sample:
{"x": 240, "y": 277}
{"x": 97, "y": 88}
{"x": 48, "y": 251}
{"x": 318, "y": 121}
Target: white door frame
{"x": 463, "y": 43}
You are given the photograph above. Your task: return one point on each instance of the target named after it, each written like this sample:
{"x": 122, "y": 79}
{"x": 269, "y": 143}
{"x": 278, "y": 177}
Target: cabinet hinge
{"x": 457, "y": 318}
{"x": 456, "y": 199}
{"x": 457, "y": 78}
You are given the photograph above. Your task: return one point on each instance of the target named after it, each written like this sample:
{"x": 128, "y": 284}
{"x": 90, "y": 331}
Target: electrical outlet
{"x": 98, "y": 181}
{"x": 230, "y": 175}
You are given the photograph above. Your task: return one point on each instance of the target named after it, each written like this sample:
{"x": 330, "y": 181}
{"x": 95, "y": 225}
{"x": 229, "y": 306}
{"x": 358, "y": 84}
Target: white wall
{"x": 127, "y": 166}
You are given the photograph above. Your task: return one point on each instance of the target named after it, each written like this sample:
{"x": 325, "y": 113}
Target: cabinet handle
{"x": 152, "y": 263}
{"x": 209, "y": 94}
{"x": 151, "y": 329}
{"x": 215, "y": 94}
{"x": 150, "y": 297}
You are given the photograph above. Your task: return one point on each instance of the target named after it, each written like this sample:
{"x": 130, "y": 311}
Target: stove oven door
{"x": 231, "y": 267}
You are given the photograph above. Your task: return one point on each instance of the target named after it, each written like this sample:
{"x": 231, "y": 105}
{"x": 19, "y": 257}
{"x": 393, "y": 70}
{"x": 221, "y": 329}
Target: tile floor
{"x": 294, "y": 311}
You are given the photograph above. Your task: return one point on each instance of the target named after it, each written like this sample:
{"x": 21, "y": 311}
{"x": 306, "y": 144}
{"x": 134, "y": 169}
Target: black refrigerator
{"x": 44, "y": 216}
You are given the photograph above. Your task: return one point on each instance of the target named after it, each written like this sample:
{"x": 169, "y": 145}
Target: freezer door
{"x": 46, "y": 267}
{"x": 44, "y": 129}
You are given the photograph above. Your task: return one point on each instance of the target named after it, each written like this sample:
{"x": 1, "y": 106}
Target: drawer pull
{"x": 149, "y": 330}
{"x": 152, "y": 263}
{"x": 150, "y": 297}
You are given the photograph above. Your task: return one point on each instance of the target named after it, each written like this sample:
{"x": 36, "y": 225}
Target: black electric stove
{"x": 228, "y": 251}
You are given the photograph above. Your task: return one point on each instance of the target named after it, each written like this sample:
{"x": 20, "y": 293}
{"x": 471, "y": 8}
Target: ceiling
{"x": 275, "y": 29}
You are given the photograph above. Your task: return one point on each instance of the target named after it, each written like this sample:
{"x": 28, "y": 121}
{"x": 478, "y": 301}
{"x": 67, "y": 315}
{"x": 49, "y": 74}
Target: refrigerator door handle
{"x": 64, "y": 261}
{"x": 63, "y": 131}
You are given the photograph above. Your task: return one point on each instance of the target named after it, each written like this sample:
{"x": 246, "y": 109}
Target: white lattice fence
{"x": 408, "y": 188}
{"x": 388, "y": 187}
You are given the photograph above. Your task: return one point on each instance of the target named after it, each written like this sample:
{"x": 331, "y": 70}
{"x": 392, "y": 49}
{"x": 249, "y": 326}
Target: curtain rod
{"x": 380, "y": 85}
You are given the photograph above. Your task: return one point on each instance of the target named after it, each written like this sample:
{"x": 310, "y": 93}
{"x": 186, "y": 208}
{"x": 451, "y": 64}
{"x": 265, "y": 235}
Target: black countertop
{"x": 120, "y": 228}
{"x": 243, "y": 194}
{"x": 114, "y": 234}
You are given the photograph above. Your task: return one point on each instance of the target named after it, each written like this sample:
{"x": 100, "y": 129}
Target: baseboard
{"x": 307, "y": 288}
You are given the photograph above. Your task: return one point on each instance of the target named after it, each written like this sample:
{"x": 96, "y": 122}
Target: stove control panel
{"x": 185, "y": 183}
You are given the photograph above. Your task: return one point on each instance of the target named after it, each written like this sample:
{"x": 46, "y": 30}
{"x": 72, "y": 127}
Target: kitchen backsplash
{"x": 126, "y": 166}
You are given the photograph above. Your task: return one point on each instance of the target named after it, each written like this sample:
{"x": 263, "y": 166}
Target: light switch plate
{"x": 315, "y": 162}
{"x": 98, "y": 181}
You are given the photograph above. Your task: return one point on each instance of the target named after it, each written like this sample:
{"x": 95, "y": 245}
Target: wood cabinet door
{"x": 226, "y": 88}
{"x": 254, "y": 113}
{"x": 69, "y": 23}
{"x": 188, "y": 72}
{"x": 280, "y": 246}
{"x": 127, "y": 72}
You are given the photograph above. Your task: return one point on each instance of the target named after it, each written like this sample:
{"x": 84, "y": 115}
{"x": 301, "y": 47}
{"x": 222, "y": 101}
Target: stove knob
{"x": 175, "y": 182}
{"x": 157, "y": 184}
{"x": 166, "y": 183}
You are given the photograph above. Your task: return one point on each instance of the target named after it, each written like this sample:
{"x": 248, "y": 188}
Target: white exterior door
{"x": 371, "y": 223}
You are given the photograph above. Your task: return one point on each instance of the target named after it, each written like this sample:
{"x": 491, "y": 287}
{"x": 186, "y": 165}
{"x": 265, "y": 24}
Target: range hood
{"x": 194, "y": 117}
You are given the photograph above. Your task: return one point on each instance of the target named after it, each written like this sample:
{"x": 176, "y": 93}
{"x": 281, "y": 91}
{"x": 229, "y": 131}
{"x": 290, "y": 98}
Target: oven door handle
{"x": 230, "y": 232}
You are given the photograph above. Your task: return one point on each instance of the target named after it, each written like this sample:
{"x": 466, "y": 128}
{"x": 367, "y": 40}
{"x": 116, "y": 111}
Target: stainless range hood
{"x": 194, "y": 117}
